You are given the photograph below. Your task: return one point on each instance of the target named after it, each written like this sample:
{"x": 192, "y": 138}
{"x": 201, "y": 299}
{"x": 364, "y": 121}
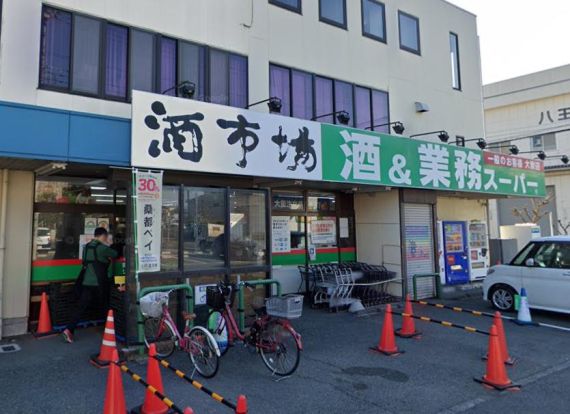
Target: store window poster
{"x": 281, "y": 235}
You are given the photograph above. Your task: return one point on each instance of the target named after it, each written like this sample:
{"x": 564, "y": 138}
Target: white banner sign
{"x": 148, "y": 202}
{"x": 323, "y": 231}
{"x": 183, "y": 134}
{"x": 280, "y": 234}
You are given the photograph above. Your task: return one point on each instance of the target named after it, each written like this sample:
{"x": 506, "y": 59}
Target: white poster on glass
{"x": 281, "y": 235}
{"x": 323, "y": 232}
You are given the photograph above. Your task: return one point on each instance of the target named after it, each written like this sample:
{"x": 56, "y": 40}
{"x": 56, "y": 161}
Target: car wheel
{"x": 503, "y": 298}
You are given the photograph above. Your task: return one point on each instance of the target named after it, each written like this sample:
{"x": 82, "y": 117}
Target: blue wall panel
{"x": 31, "y": 133}
{"x": 97, "y": 139}
{"x": 35, "y": 132}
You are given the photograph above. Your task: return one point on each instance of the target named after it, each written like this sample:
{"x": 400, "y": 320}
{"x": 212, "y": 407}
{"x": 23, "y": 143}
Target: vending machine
{"x": 453, "y": 252}
{"x": 479, "y": 259}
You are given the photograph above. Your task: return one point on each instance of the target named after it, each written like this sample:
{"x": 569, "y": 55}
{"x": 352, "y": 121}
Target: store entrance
{"x": 66, "y": 212}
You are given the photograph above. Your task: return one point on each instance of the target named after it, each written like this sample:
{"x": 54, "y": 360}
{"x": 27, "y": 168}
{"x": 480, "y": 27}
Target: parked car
{"x": 542, "y": 267}
{"x": 43, "y": 238}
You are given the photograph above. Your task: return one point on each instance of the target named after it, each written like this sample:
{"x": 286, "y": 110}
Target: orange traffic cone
{"x": 115, "y": 394}
{"x": 152, "y": 404}
{"x": 498, "y": 322}
{"x": 241, "y": 407}
{"x": 44, "y": 323}
{"x": 108, "y": 345}
{"x": 387, "y": 344}
{"x": 408, "y": 329}
{"x": 496, "y": 373}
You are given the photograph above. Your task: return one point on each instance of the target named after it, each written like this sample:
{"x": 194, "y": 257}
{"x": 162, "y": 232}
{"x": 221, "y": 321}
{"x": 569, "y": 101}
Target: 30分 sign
{"x": 148, "y": 206}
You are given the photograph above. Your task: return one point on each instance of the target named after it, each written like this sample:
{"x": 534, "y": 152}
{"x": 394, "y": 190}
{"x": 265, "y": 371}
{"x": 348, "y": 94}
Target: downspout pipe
{"x": 3, "y": 220}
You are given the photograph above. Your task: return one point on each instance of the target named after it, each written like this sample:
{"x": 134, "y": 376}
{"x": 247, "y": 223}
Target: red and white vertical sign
{"x": 148, "y": 202}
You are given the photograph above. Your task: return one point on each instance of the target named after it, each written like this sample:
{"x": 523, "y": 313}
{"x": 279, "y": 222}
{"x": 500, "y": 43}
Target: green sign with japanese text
{"x": 363, "y": 157}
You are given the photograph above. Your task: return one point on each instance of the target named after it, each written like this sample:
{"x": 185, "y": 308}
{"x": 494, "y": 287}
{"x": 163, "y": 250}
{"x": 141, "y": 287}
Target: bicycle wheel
{"x": 157, "y": 331}
{"x": 278, "y": 349}
{"x": 218, "y": 326}
{"x": 202, "y": 352}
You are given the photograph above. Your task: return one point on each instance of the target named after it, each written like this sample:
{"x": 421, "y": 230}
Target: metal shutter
{"x": 418, "y": 232}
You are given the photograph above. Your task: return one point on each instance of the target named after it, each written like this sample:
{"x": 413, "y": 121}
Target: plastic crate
{"x": 287, "y": 306}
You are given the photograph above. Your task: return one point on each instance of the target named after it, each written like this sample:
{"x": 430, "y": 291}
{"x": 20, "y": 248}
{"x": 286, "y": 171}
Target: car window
{"x": 561, "y": 259}
{"x": 545, "y": 255}
{"x": 524, "y": 254}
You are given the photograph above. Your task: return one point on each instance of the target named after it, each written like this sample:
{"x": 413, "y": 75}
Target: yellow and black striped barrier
{"x": 137, "y": 378}
{"x": 196, "y": 384}
{"x": 444, "y": 323}
{"x": 457, "y": 309}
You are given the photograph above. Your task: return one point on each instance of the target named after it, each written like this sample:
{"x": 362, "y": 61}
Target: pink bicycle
{"x": 271, "y": 334}
{"x": 160, "y": 329}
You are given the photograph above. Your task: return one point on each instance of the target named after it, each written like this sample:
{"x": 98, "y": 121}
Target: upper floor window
{"x": 409, "y": 32}
{"x": 304, "y": 95}
{"x": 293, "y": 5}
{"x": 454, "y": 54}
{"x": 374, "y": 20}
{"x": 546, "y": 142}
{"x": 333, "y": 12}
{"x": 92, "y": 57}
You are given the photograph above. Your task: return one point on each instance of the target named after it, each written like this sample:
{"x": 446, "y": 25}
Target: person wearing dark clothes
{"x": 93, "y": 283}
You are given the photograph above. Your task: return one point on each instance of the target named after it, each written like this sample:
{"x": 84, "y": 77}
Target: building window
{"x": 85, "y": 65}
{"x": 380, "y": 111}
{"x": 409, "y": 32}
{"x": 191, "y": 66}
{"x": 343, "y": 99}
{"x": 248, "y": 238}
{"x": 280, "y": 87}
{"x": 142, "y": 59}
{"x": 120, "y": 59}
{"x": 168, "y": 58}
{"x": 302, "y": 93}
{"x": 293, "y": 5}
{"x": 333, "y": 12}
{"x": 454, "y": 54}
{"x": 116, "y": 61}
{"x": 55, "y": 48}
{"x": 374, "y": 20}
{"x": 170, "y": 228}
{"x": 228, "y": 79}
{"x": 324, "y": 99}
{"x": 546, "y": 142}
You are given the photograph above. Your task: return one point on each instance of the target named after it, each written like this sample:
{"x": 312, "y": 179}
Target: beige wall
{"x": 266, "y": 33}
{"x": 561, "y": 182}
{"x": 461, "y": 209}
{"x": 378, "y": 229}
{"x": 17, "y": 265}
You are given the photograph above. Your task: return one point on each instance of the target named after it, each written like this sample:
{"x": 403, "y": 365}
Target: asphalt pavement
{"x": 337, "y": 374}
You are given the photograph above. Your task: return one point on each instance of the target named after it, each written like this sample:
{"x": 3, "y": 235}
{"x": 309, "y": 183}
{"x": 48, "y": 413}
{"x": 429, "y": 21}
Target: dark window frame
{"x": 101, "y": 94}
{"x": 314, "y": 76}
{"x": 372, "y": 36}
{"x": 417, "y": 20}
{"x": 298, "y": 9}
{"x": 457, "y": 62}
{"x": 343, "y": 25}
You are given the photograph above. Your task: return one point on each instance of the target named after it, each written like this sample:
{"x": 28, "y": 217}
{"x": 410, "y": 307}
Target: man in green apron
{"x": 93, "y": 284}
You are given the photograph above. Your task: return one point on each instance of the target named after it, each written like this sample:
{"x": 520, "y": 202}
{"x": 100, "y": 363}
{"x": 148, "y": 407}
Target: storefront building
{"x": 244, "y": 192}
{"x": 533, "y": 113}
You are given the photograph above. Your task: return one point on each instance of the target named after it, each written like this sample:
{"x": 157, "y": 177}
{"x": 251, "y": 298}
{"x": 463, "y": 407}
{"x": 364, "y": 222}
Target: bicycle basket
{"x": 287, "y": 306}
{"x": 215, "y": 299}
{"x": 151, "y": 304}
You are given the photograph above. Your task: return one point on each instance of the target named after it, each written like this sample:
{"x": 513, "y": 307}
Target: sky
{"x": 520, "y": 36}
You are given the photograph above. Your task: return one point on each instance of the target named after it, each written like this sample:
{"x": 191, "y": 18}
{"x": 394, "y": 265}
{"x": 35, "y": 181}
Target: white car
{"x": 542, "y": 267}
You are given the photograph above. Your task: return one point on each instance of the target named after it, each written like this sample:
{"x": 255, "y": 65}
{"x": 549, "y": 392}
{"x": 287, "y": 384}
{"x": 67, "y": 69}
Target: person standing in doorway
{"x": 93, "y": 284}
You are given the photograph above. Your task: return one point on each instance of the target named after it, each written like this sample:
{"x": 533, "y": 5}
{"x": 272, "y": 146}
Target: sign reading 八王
{"x": 148, "y": 204}
{"x": 180, "y": 134}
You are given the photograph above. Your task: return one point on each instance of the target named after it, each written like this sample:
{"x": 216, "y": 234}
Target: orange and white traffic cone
{"x": 152, "y": 404}
{"x": 115, "y": 394}
{"x": 108, "y": 345}
{"x": 496, "y": 373}
{"x": 44, "y": 323}
{"x": 241, "y": 407}
{"x": 498, "y": 322}
{"x": 387, "y": 343}
{"x": 408, "y": 329}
